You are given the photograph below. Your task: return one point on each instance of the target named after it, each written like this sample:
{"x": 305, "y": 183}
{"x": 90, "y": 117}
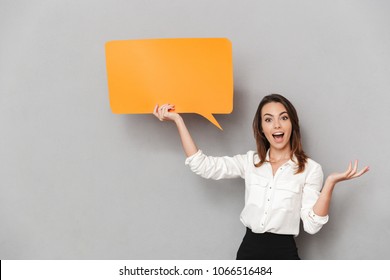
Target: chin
{"x": 280, "y": 146}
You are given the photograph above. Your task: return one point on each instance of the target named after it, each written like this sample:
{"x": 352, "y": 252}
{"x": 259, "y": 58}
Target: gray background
{"x": 78, "y": 182}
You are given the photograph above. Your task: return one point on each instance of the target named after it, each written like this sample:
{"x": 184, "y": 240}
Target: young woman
{"x": 282, "y": 185}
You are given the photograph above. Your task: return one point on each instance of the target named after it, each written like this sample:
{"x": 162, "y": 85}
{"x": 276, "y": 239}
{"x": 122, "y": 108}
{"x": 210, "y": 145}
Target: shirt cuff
{"x": 318, "y": 219}
{"x": 192, "y": 157}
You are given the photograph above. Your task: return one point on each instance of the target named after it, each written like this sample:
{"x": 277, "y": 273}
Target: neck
{"x": 276, "y": 155}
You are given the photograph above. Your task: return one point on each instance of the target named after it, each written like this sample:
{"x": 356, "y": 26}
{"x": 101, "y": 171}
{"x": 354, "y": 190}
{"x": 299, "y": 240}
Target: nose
{"x": 276, "y": 124}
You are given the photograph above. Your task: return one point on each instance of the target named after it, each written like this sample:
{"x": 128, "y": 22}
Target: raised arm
{"x": 321, "y": 208}
{"x": 166, "y": 113}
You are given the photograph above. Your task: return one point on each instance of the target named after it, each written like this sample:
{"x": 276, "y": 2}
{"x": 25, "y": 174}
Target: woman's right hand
{"x": 166, "y": 112}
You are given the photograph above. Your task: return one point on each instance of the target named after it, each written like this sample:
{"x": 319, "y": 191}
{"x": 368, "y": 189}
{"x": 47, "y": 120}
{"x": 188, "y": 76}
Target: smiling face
{"x": 276, "y": 125}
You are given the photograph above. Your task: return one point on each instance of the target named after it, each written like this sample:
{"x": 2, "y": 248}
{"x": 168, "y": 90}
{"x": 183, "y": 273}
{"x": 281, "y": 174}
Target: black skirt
{"x": 267, "y": 246}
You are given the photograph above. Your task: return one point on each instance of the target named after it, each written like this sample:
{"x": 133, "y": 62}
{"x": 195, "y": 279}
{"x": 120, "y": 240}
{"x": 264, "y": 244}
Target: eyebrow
{"x": 267, "y": 114}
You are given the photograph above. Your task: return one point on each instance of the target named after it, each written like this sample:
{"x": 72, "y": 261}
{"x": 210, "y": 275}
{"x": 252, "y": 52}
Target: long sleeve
{"x": 311, "y": 191}
{"x": 217, "y": 167}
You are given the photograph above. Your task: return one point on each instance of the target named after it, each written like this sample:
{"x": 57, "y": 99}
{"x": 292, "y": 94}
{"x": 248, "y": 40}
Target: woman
{"x": 282, "y": 185}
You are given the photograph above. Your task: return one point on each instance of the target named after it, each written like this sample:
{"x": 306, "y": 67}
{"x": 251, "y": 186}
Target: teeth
{"x": 278, "y": 134}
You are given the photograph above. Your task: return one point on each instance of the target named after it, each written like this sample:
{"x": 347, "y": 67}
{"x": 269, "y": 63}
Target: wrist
{"x": 178, "y": 119}
{"x": 330, "y": 181}
{"x": 328, "y": 186}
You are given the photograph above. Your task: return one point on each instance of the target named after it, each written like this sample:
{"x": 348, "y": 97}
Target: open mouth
{"x": 278, "y": 136}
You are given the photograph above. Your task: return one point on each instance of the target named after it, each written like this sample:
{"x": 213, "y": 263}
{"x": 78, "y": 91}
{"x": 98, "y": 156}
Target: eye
{"x": 267, "y": 120}
{"x": 285, "y": 117}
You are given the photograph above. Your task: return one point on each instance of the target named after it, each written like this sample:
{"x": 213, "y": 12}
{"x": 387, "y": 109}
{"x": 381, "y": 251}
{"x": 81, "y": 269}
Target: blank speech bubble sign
{"x": 194, "y": 74}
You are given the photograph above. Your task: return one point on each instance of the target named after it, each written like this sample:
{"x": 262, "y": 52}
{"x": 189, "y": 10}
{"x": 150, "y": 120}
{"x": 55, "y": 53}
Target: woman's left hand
{"x": 350, "y": 173}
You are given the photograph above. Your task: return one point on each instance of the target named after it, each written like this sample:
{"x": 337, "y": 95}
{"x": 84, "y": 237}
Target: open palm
{"x": 350, "y": 173}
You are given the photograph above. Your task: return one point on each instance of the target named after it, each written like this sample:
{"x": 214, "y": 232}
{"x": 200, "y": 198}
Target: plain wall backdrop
{"x": 78, "y": 182}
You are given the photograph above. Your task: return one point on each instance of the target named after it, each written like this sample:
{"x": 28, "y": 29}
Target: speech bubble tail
{"x": 212, "y": 119}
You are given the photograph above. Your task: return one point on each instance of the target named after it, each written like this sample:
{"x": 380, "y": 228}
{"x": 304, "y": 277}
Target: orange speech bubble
{"x": 194, "y": 74}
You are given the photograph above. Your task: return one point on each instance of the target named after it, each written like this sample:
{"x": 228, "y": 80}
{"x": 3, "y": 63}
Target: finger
{"x": 364, "y": 170}
{"x": 351, "y": 170}
{"x": 161, "y": 110}
{"x": 348, "y": 171}
{"x": 164, "y": 113}
{"x": 165, "y": 109}
{"x": 169, "y": 105}
{"x": 356, "y": 166}
{"x": 155, "y": 110}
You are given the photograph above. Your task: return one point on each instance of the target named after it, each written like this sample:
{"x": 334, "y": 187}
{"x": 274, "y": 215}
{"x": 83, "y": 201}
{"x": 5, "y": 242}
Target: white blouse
{"x": 272, "y": 203}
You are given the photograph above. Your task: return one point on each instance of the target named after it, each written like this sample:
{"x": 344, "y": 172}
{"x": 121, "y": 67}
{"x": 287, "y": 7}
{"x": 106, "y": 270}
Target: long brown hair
{"x": 295, "y": 140}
